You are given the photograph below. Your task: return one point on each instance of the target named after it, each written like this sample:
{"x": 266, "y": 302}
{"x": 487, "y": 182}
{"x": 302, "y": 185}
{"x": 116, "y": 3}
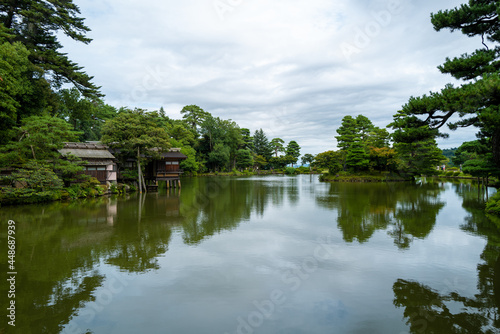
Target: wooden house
{"x": 98, "y": 160}
{"x": 167, "y": 168}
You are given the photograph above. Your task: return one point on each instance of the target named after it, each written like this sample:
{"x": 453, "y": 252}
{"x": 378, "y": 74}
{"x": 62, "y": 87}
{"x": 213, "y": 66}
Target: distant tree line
{"x": 363, "y": 147}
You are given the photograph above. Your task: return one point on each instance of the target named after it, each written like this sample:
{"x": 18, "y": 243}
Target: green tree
{"x": 348, "y": 132}
{"x": 244, "y": 158}
{"x": 364, "y": 126}
{"x": 219, "y": 157}
{"x": 182, "y": 135}
{"x": 277, "y": 144}
{"x": 23, "y": 90}
{"x": 190, "y": 164}
{"x": 476, "y": 102}
{"x": 331, "y": 160}
{"x": 378, "y": 138}
{"x": 469, "y": 150}
{"x": 217, "y": 132}
{"x": 194, "y": 115}
{"x": 38, "y": 138}
{"x": 383, "y": 159}
{"x": 307, "y": 159}
{"x": 293, "y": 150}
{"x": 279, "y": 162}
{"x": 87, "y": 116}
{"x": 261, "y": 145}
{"x": 247, "y": 140}
{"x": 481, "y": 167}
{"x": 37, "y": 24}
{"x": 356, "y": 157}
{"x": 415, "y": 145}
{"x": 259, "y": 161}
{"x": 135, "y": 133}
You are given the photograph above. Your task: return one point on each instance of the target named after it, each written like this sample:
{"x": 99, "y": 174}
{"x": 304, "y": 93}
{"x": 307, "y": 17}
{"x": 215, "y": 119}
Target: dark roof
{"x": 87, "y": 150}
{"x": 173, "y": 155}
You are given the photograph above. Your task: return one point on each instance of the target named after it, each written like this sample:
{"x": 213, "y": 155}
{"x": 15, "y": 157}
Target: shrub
{"x": 114, "y": 189}
{"x": 493, "y": 205}
{"x": 291, "y": 171}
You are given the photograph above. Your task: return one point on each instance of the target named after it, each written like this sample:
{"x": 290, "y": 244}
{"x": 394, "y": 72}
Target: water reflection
{"x": 60, "y": 246}
{"x": 429, "y": 310}
{"x": 212, "y": 205}
{"x": 364, "y": 208}
{"x": 66, "y": 250}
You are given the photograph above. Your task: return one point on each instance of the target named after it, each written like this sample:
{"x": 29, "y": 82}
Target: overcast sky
{"x": 291, "y": 67}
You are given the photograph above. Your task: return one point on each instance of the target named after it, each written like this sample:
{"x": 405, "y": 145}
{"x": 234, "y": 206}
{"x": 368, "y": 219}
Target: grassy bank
{"x": 363, "y": 177}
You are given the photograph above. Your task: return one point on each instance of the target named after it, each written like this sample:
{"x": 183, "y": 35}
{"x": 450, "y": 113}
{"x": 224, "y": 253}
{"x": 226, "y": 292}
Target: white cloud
{"x": 280, "y": 65}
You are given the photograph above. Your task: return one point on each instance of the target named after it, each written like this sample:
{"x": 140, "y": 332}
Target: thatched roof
{"x": 93, "y": 150}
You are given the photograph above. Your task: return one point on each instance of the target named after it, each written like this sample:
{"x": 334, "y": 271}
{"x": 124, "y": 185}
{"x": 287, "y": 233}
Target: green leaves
{"x": 133, "y": 129}
{"x": 36, "y": 24}
{"x": 19, "y": 82}
{"x": 261, "y": 144}
{"x": 293, "y": 150}
{"x": 277, "y": 145}
{"x": 194, "y": 115}
{"x": 475, "y": 102}
{"x": 38, "y": 138}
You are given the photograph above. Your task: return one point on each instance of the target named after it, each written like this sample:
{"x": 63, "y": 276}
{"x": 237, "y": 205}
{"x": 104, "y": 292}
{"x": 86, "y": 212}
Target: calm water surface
{"x": 259, "y": 255}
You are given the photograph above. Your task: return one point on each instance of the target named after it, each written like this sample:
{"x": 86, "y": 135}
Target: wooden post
{"x": 179, "y": 183}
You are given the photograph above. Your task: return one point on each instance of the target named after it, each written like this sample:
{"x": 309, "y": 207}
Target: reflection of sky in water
{"x": 218, "y": 285}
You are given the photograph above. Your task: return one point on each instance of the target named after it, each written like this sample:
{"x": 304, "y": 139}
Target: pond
{"x": 272, "y": 254}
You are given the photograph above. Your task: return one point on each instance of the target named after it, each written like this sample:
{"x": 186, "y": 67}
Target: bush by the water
{"x": 36, "y": 183}
{"x": 290, "y": 171}
{"x": 493, "y": 205}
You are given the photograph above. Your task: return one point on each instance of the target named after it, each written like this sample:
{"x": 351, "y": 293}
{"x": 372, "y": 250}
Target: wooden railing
{"x": 169, "y": 173}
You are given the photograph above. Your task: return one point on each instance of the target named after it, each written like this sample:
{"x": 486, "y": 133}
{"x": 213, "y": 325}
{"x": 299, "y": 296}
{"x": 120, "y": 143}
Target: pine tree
{"x": 348, "y": 132}
{"x": 357, "y": 159}
{"x": 261, "y": 145}
{"x": 36, "y": 24}
{"x": 293, "y": 151}
{"x": 277, "y": 145}
{"x": 477, "y": 101}
{"x": 415, "y": 145}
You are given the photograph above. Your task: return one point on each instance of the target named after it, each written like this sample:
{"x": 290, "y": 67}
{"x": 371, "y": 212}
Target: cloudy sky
{"x": 291, "y": 67}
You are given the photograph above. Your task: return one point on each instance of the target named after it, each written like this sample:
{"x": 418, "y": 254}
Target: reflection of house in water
{"x": 112, "y": 210}
{"x": 98, "y": 161}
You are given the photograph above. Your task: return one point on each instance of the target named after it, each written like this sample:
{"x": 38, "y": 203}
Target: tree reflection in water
{"x": 429, "y": 311}
{"x": 365, "y": 208}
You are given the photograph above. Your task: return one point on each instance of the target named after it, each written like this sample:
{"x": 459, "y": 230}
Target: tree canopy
{"x": 37, "y": 24}
{"x": 475, "y": 102}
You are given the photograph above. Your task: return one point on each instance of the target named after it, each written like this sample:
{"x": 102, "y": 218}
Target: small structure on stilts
{"x": 167, "y": 169}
